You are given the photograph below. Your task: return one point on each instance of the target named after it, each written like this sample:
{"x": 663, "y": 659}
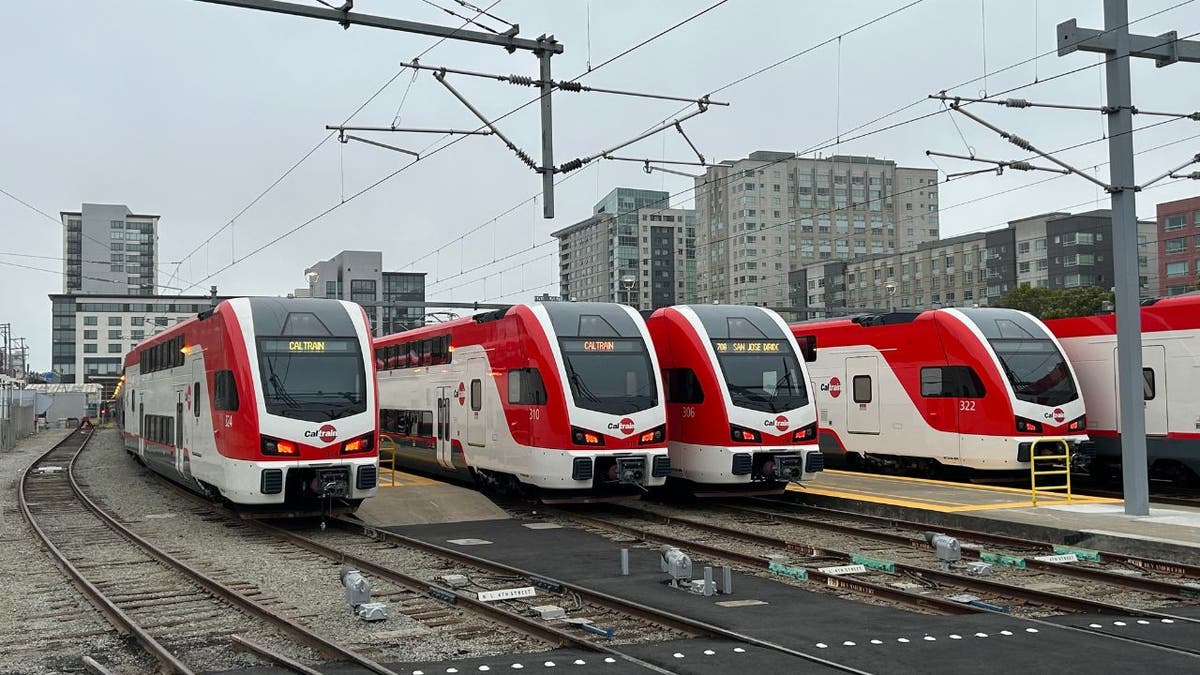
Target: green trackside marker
{"x": 789, "y": 571}
{"x": 1081, "y": 553}
{"x": 997, "y": 559}
{"x": 874, "y": 563}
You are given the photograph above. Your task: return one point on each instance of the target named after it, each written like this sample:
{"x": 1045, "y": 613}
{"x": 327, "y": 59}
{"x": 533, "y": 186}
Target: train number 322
{"x": 967, "y": 406}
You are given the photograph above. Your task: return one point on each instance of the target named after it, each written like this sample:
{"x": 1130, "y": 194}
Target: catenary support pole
{"x": 547, "y": 168}
{"x": 1132, "y": 408}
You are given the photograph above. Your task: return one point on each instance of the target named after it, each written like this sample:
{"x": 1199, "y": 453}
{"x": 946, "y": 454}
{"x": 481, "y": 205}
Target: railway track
{"x": 1159, "y": 575}
{"x": 368, "y": 549}
{"x": 754, "y": 549}
{"x": 178, "y": 615}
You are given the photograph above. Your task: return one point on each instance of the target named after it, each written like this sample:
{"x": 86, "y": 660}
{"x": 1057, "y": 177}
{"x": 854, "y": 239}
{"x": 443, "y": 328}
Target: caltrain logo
{"x": 461, "y": 393}
{"x": 625, "y": 426}
{"x": 780, "y": 423}
{"x": 1057, "y": 415}
{"x": 834, "y": 387}
{"x": 326, "y": 433}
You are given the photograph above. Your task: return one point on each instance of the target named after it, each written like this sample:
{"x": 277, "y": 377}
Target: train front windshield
{"x": 1033, "y": 364}
{"x": 316, "y": 379}
{"x": 610, "y": 375}
{"x": 762, "y": 375}
{"x": 1037, "y": 371}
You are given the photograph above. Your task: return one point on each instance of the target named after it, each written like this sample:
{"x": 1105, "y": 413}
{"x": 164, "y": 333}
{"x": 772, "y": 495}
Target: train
{"x": 556, "y": 401}
{"x": 945, "y": 389}
{"x": 265, "y": 403}
{"x": 740, "y": 419}
{"x": 1170, "y": 362}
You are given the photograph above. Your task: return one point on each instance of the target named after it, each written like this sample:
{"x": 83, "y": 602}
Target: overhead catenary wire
{"x": 450, "y": 143}
{"x": 833, "y": 141}
{"x": 310, "y": 153}
{"x": 847, "y": 237}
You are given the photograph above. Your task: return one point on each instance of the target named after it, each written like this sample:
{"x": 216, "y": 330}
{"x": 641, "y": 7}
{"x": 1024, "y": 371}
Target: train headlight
{"x": 360, "y": 444}
{"x": 274, "y": 446}
{"x": 1028, "y": 426}
{"x": 585, "y": 437}
{"x": 803, "y": 434}
{"x": 655, "y": 435}
{"x": 1078, "y": 424}
{"x": 744, "y": 435}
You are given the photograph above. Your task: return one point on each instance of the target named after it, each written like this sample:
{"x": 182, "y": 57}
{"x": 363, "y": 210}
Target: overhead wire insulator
{"x": 568, "y": 85}
{"x": 570, "y": 166}
{"x": 1019, "y": 142}
{"x": 523, "y": 80}
{"x": 1017, "y": 103}
{"x": 1021, "y": 166}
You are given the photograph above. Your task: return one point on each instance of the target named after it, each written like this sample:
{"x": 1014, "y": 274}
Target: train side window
{"x": 525, "y": 387}
{"x": 951, "y": 382}
{"x": 196, "y": 399}
{"x": 476, "y": 395}
{"x": 808, "y": 347}
{"x": 861, "y": 386}
{"x": 1148, "y": 384}
{"x": 225, "y": 396}
{"x": 427, "y": 352}
{"x": 683, "y": 386}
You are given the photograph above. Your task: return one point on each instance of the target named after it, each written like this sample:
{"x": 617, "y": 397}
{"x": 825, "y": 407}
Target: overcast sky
{"x": 190, "y": 110}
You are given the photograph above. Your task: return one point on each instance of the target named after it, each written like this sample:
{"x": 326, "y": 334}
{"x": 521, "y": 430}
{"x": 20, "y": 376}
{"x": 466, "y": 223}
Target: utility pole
{"x": 1119, "y": 47}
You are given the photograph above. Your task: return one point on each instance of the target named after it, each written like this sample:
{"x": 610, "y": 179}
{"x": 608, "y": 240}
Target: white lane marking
{"x": 709, "y": 652}
{"x": 955, "y": 636}
{"x": 905, "y": 640}
{"x": 1031, "y": 630}
{"x": 930, "y": 638}
{"x": 821, "y": 645}
{"x": 847, "y": 643}
{"x": 981, "y": 635}
{"x": 876, "y": 642}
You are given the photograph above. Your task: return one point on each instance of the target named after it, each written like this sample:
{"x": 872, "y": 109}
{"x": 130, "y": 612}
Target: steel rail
{"x": 112, "y": 613}
{"x": 221, "y": 590}
{"x": 939, "y": 605}
{"x": 661, "y": 617}
{"x": 1153, "y": 564}
{"x": 1044, "y": 598}
{"x": 1156, "y": 586}
{"x": 545, "y": 632}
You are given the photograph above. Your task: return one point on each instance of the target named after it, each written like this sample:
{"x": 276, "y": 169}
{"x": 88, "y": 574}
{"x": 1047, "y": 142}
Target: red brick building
{"x": 1179, "y": 246}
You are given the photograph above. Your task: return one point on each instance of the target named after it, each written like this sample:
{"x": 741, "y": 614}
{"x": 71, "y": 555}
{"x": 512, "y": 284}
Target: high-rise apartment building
{"x": 109, "y": 250}
{"x": 633, "y": 249}
{"x": 1054, "y": 250}
{"x": 358, "y": 276}
{"x": 759, "y": 218}
{"x": 1179, "y": 245}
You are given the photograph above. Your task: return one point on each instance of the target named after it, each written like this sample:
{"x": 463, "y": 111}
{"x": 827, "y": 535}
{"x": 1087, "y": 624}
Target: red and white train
{"x": 259, "y": 401}
{"x": 966, "y": 388}
{"x": 557, "y": 400}
{"x": 739, "y": 415}
{"x": 1171, "y": 388}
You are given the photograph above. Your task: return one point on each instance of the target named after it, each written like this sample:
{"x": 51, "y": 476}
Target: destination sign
{"x": 748, "y": 346}
{"x": 307, "y": 346}
{"x": 601, "y": 345}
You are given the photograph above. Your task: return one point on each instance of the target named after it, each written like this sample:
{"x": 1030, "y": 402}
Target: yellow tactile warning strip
{"x": 401, "y": 479}
{"x": 941, "y": 493}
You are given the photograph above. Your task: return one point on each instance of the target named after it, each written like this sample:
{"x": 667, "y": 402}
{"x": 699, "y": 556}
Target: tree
{"x": 1046, "y": 303}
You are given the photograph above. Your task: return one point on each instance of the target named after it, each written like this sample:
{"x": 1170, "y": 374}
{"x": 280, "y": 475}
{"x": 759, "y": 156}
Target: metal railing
{"x": 1035, "y": 472}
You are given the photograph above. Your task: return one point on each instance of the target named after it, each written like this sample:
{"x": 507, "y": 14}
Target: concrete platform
{"x": 408, "y": 499}
{"x": 871, "y": 637}
{"x": 1171, "y": 533}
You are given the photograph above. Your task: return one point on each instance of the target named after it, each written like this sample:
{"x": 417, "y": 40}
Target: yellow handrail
{"x": 1034, "y": 458}
{"x": 386, "y": 443}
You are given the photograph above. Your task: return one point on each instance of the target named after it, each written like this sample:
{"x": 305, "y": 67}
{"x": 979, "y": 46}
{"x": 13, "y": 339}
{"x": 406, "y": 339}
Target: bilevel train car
{"x": 919, "y": 391}
{"x": 557, "y": 401}
{"x": 739, "y": 415}
{"x": 268, "y": 403}
{"x": 1170, "y": 385}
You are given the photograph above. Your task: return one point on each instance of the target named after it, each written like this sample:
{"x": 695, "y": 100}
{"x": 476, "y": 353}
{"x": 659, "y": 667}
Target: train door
{"x": 442, "y": 429}
{"x": 862, "y": 397}
{"x": 1154, "y": 388}
{"x": 181, "y": 456}
{"x": 141, "y": 427}
{"x": 476, "y": 415}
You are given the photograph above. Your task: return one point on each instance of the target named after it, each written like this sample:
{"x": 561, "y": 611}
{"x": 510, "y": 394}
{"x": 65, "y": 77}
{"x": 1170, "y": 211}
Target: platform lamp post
{"x": 627, "y": 282}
